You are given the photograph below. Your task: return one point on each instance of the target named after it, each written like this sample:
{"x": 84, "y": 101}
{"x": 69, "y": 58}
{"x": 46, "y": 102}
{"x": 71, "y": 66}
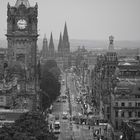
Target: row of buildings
{"x": 115, "y": 88}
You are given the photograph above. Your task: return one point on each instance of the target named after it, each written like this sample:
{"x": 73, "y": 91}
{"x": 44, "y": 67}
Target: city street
{"x": 75, "y": 131}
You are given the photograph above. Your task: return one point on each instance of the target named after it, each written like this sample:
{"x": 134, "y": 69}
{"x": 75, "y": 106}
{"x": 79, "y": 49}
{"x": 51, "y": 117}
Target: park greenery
{"x": 49, "y": 84}
{"x": 33, "y": 125}
{"x": 29, "y": 126}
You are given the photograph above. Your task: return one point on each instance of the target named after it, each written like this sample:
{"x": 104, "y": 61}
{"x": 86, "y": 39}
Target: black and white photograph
{"x": 69, "y": 69}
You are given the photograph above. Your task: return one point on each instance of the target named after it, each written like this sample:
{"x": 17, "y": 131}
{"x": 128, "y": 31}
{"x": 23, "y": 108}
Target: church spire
{"x": 51, "y": 47}
{"x": 25, "y": 2}
{"x": 60, "y": 44}
{"x": 65, "y": 34}
{"x": 66, "y": 45}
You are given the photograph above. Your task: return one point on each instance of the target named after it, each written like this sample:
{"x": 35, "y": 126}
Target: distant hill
{"x": 89, "y": 44}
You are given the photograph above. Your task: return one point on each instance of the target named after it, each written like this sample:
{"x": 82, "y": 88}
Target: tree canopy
{"x": 49, "y": 83}
{"x": 30, "y": 126}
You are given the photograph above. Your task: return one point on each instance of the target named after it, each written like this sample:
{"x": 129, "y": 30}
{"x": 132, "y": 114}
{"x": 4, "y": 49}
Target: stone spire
{"x": 45, "y": 47}
{"x": 65, "y": 35}
{"x": 51, "y": 47}
{"x": 66, "y": 45}
{"x": 111, "y": 43}
{"x": 25, "y": 2}
{"x": 60, "y": 45}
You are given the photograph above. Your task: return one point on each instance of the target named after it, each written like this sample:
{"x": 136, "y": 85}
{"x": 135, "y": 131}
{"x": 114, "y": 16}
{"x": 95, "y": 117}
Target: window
{"x": 137, "y": 96}
{"x": 135, "y": 113}
{"x": 138, "y": 104}
{"x": 130, "y": 114}
{"x": 1, "y": 99}
{"x": 129, "y": 104}
{"x": 122, "y": 114}
{"x": 116, "y": 123}
{"x": 108, "y": 116}
{"x": 116, "y": 103}
{"x": 138, "y": 114}
{"x": 108, "y": 109}
{"x": 122, "y": 104}
{"x": 116, "y": 113}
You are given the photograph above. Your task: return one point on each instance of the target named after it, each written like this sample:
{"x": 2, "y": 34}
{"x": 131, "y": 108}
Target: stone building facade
{"x": 22, "y": 34}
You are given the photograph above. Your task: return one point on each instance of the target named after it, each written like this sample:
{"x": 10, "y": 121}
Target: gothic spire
{"x": 25, "y": 2}
{"x": 51, "y": 47}
{"x": 60, "y": 44}
{"x": 65, "y": 34}
{"x": 66, "y": 45}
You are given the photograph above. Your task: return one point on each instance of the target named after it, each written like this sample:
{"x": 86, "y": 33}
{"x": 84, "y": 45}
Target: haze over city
{"x": 86, "y": 19}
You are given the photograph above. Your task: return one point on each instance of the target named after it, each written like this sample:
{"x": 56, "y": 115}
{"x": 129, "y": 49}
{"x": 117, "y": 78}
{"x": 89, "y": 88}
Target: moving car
{"x": 64, "y": 115}
{"x": 56, "y": 127}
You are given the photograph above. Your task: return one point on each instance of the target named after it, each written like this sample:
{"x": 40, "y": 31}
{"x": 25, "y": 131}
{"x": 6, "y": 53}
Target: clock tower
{"x": 22, "y": 34}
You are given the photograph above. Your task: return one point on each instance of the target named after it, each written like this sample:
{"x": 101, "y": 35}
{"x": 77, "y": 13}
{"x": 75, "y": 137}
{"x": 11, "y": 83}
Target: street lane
{"x": 81, "y": 132}
{"x": 78, "y": 132}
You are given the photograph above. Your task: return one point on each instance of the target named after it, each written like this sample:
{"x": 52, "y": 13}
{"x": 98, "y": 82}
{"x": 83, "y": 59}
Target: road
{"x": 68, "y": 131}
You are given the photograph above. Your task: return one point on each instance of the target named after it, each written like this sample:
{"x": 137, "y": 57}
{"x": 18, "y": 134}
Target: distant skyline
{"x": 86, "y": 19}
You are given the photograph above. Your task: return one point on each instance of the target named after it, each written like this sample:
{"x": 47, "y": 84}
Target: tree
{"x": 44, "y": 101}
{"x": 49, "y": 83}
{"x": 51, "y": 66}
{"x": 30, "y": 126}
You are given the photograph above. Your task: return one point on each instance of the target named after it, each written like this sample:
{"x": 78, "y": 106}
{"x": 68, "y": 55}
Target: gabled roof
{"x": 25, "y": 2}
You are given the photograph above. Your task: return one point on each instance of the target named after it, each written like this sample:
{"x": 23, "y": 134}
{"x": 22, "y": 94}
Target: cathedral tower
{"x": 22, "y": 33}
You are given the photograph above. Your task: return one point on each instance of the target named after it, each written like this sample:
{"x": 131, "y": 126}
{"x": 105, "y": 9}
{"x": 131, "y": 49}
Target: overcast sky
{"x": 86, "y": 19}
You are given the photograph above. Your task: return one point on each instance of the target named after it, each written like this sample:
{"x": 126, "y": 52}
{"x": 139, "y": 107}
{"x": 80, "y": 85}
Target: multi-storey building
{"x": 116, "y": 87}
{"x": 102, "y": 79}
{"x": 131, "y": 129}
{"x": 126, "y": 93}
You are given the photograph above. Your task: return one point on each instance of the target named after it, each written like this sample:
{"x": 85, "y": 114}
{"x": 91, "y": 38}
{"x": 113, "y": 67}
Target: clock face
{"x": 21, "y": 24}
